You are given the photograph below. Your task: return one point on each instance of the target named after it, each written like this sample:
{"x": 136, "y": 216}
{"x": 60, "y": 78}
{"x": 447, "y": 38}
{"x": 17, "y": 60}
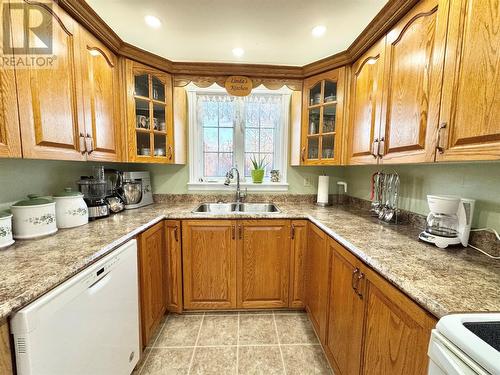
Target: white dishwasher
{"x": 89, "y": 325}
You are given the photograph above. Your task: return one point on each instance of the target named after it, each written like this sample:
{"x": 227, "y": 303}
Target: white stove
{"x": 466, "y": 344}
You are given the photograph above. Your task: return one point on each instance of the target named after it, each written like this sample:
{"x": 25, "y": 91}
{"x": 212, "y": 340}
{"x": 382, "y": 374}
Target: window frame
{"x": 195, "y": 139}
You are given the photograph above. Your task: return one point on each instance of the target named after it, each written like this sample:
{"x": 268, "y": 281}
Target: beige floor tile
{"x": 305, "y": 360}
{"x": 295, "y": 329}
{"x": 216, "y": 361}
{"x": 163, "y": 361}
{"x": 179, "y": 330}
{"x": 259, "y": 360}
{"x": 219, "y": 330}
{"x": 139, "y": 364}
{"x": 257, "y": 329}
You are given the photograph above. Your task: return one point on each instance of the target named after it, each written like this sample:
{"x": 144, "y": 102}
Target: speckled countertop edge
{"x": 158, "y": 212}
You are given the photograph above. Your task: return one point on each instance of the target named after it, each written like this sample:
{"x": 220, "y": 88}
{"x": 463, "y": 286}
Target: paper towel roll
{"x": 323, "y": 185}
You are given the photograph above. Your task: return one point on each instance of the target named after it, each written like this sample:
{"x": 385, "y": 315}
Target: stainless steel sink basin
{"x": 225, "y": 208}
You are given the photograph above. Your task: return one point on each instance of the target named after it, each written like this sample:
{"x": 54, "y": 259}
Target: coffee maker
{"x": 449, "y": 221}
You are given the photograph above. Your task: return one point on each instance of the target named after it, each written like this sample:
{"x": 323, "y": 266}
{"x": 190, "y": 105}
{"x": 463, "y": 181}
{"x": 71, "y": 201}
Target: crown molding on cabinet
{"x": 392, "y": 12}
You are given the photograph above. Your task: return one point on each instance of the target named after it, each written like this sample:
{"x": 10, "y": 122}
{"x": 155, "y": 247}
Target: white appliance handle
{"x": 448, "y": 361}
{"x": 99, "y": 284}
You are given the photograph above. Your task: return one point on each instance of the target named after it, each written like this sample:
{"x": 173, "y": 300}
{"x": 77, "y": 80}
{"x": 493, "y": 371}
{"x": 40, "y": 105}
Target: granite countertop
{"x": 441, "y": 281}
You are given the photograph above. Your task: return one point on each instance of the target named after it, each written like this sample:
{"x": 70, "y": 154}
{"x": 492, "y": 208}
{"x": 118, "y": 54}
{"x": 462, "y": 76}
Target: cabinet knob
{"x": 375, "y": 148}
{"x": 353, "y": 278}
{"x": 381, "y": 147}
{"x": 292, "y": 231}
{"x": 90, "y": 141}
{"x": 176, "y": 233}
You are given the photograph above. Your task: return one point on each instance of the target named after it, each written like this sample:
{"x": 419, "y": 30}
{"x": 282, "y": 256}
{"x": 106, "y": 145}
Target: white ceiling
{"x": 270, "y": 31}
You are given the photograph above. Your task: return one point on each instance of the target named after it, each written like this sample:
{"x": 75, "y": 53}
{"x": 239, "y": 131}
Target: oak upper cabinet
{"x": 209, "y": 264}
{"x": 100, "y": 85}
{"x": 173, "y": 277}
{"x": 414, "y": 58}
{"x": 322, "y": 118}
{"x": 470, "y": 109}
{"x": 366, "y": 106}
{"x": 393, "y": 321}
{"x": 317, "y": 276}
{"x": 152, "y": 270}
{"x": 50, "y": 108}
{"x": 263, "y": 263}
{"x": 149, "y": 114}
{"x": 298, "y": 258}
{"x": 345, "y": 312}
{"x": 10, "y": 138}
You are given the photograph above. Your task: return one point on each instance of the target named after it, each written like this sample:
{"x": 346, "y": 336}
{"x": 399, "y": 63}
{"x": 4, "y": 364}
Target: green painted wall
{"x": 480, "y": 181}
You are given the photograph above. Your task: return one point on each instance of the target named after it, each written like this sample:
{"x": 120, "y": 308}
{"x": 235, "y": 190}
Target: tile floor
{"x": 265, "y": 342}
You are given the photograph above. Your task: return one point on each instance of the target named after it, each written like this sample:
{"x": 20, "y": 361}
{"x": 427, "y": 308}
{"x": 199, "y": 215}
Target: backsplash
{"x": 480, "y": 181}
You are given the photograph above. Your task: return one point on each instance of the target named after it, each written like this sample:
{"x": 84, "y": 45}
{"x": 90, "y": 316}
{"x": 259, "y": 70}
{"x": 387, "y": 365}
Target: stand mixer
{"x": 449, "y": 221}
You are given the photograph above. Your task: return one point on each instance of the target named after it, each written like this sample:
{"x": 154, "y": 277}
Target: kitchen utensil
{"x": 132, "y": 191}
{"x": 6, "y": 230}
{"x": 71, "y": 209}
{"x": 385, "y": 195}
{"x": 449, "y": 221}
{"x": 33, "y": 217}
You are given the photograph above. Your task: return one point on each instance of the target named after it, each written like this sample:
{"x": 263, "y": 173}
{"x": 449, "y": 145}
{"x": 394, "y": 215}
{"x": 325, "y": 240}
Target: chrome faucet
{"x": 229, "y": 176}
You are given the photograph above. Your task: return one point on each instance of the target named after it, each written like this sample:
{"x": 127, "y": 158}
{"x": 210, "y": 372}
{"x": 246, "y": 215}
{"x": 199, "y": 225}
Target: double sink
{"x": 227, "y": 208}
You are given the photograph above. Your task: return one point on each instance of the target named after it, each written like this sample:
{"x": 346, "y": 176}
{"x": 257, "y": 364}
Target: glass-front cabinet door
{"x": 322, "y": 122}
{"x": 149, "y": 100}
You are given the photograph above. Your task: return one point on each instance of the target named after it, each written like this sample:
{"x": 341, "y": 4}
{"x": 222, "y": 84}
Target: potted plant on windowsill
{"x": 258, "y": 170}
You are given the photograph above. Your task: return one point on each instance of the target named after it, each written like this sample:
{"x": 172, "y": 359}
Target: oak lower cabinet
{"x": 231, "y": 264}
{"x": 209, "y": 264}
{"x": 173, "y": 276}
{"x": 470, "y": 109}
{"x": 373, "y": 328}
{"x": 263, "y": 263}
{"x": 317, "y": 276}
{"x": 298, "y": 257}
{"x": 152, "y": 270}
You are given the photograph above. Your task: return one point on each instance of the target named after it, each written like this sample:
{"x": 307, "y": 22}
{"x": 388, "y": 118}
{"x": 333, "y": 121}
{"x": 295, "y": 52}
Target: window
{"x": 227, "y": 131}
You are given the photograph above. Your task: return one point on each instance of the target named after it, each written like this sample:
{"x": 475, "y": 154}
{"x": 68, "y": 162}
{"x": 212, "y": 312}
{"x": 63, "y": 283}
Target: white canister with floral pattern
{"x": 34, "y": 217}
{"x": 5, "y": 230}
{"x": 71, "y": 209}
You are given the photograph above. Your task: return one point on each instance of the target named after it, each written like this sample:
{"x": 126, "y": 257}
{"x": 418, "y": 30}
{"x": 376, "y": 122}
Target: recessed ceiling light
{"x": 153, "y": 22}
{"x": 238, "y": 52}
{"x": 318, "y": 31}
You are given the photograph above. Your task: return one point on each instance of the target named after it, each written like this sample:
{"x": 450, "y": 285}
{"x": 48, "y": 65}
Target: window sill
{"x": 219, "y": 186}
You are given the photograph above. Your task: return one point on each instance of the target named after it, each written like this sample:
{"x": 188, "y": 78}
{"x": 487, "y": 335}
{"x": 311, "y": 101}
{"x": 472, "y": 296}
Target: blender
{"x": 94, "y": 192}
{"x": 449, "y": 221}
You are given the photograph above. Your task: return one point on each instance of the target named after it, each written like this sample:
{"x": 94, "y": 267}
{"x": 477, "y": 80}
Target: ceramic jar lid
{"x": 4, "y": 214}
{"x": 33, "y": 200}
{"x": 68, "y": 193}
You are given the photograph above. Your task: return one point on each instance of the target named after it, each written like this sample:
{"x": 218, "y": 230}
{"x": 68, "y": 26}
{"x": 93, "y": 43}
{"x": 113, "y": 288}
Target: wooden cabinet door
{"x": 345, "y": 312}
{"x": 471, "y": 99}
{"x": 209, "y": 264}
{"x": 152, "y": 262}
{"x": 298, "y": 258}
{"x": 323, "y": 118}
{"x": 10, "y": 138}
{"x": 50, "y": 110}
{"x": 414, "y": 59}
{"x": 396, "y": 333}
{"x": 366, "y": 101}
{"x": 173, "y": 279}
{"x": 263, "y": 263}
{"x": 318, "y": 267}
{"x": 100, "y": 87}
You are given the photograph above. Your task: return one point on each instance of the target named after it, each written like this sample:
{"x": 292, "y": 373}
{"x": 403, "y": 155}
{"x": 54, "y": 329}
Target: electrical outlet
{"x": 308, "y": 181}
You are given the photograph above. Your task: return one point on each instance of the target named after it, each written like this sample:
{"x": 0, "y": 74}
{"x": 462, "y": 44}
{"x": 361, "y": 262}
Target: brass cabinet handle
{"x": 439, "y": 148}
{"x": 375, "y": 148}
{"x": 233, "y": 232}
{"x": 240, "y": 232}
{"x": 353, "y": 277}
{"x": 380, "y": 148}
{"x": 170, "y": 152}
{"x": 303, "y": 154}
{"x": 360, "y": 277}
{"x": 292, "y": 231}
{"x": 83, "y": 145}
{"x": 91, "y": 140}
{"x": 176, "y": 233}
